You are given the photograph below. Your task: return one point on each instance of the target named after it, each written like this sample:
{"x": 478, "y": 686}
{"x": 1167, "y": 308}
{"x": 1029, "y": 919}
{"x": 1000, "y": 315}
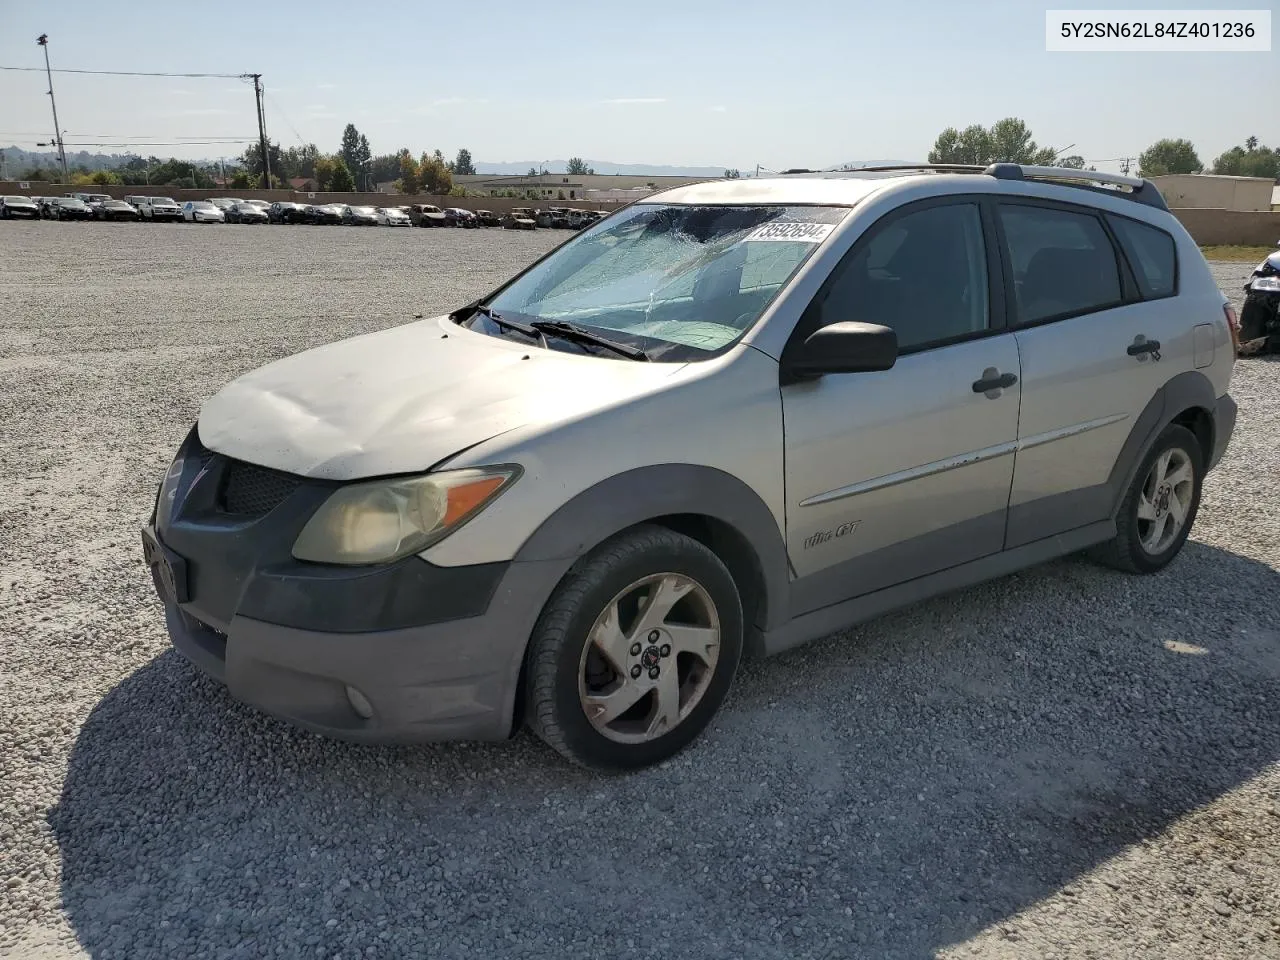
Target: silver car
{"x": 727, "y": 419}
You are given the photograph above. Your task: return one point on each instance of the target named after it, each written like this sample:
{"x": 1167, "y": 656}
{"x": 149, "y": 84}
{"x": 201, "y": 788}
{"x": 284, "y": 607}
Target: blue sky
{"x": 700, "y": 82}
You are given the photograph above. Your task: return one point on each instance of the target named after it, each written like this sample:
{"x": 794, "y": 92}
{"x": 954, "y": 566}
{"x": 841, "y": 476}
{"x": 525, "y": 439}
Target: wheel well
{"x": 734, "y": 551}
{"x": 1200, "y": 422}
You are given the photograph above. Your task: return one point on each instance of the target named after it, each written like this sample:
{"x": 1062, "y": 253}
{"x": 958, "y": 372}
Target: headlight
{"x": 168, "y": 492}
{"x": 388, "y": 519}
{"x": 1266, "y": 283}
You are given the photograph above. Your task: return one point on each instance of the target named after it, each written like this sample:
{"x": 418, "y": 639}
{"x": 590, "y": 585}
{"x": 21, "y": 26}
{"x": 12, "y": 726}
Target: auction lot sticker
{"x": 795, "y": 232}
{"x": 1158, "y": 31}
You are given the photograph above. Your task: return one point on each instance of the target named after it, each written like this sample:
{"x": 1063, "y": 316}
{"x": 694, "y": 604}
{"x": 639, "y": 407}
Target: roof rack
{"x": 1139, "y": 190}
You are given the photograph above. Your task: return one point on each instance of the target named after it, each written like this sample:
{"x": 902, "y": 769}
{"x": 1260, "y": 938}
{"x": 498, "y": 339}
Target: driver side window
{"x": 924, "y": 274}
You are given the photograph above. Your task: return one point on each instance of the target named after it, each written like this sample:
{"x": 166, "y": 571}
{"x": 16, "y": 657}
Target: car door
{"x": 899, "y": 473}
{"x": 1094, "y": 352}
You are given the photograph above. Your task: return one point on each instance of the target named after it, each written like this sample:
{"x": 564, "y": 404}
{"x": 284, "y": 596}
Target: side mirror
{"x": 846, "y": 347}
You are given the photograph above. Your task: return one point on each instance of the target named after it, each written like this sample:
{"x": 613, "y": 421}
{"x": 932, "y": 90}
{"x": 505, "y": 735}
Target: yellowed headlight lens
{"x": 389, "y": 519}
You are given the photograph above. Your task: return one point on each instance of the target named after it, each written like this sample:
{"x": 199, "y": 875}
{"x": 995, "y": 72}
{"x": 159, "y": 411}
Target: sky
{"x": 698, "y": 82}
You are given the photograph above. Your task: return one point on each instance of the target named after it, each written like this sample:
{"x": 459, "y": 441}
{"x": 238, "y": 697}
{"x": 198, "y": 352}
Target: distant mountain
{"x": 601, "y": 167}
{"x": 17, "y": 161}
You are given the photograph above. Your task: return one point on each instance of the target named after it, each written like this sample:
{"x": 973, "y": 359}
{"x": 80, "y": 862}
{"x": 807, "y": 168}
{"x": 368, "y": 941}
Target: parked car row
{"x": 100, "y": 206}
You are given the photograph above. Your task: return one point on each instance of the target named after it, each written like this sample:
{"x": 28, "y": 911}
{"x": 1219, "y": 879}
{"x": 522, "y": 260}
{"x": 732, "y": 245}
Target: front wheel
{"x": 635, "y": 651}
{"x": 1156, "y": 515}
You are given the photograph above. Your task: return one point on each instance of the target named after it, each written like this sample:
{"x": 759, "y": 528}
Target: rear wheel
{"x": 1156, "y": 515}
{"x": 635, "y": 651}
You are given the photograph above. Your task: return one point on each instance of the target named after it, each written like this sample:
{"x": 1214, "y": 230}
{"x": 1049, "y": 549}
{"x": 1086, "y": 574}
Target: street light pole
{"x": 43, "y": 40}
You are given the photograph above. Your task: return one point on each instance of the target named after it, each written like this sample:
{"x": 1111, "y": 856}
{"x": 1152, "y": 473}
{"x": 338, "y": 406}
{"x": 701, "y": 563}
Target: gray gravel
{"x": 1064, "y": 763}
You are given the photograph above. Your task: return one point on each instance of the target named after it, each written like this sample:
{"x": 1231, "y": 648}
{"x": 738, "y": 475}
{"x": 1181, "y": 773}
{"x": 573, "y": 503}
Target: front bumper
{"x": 435, "y": 652}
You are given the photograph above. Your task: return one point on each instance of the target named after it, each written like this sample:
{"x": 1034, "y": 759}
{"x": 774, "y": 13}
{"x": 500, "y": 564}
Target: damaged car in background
{"x": 1260, "y": 315}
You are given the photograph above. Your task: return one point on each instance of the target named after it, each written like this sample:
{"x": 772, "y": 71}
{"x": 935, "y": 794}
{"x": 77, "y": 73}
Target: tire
{"x": 1134, "y": 548}
{"x": 564, "y": 669}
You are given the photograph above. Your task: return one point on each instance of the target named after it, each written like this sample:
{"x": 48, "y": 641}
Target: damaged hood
{"x": 403, "y": 399}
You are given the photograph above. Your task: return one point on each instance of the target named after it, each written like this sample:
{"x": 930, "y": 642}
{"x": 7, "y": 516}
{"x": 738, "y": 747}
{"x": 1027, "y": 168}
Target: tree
{"x": 578, "y": 167}
{"x": 1251, "y": 160}
{"x": 384, "y": 167}
{"x": 324, "y": 170}
{"x": 1169, "y": 156}
{"x": 410, "y": 177}
{"x": 296, "y": 162}
{"x": 1007, "y": 141}
{"x": 251, "y": 160}
{"x": 436, "y": 178}
{"x": 341, "y": 180}
{"x": 733, "y": 173}
{"x": 533, "y": 172}
{"x": 1073, "y": 162}
{"x": 462, "y": 165}
{"x": 240, "y": 180}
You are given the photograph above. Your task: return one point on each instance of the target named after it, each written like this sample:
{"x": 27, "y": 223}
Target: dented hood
{"x": 403, "y": 399}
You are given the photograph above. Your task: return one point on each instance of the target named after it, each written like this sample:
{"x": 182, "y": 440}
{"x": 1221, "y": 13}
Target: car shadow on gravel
{"x": 886, "y": 792}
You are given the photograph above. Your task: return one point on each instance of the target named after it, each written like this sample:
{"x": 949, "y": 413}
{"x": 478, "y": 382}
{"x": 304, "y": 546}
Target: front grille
{"x": 250, "y": 490}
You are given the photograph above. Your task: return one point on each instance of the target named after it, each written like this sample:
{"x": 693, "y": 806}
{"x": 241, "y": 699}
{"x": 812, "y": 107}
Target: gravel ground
{"x": 1064, "y": 763}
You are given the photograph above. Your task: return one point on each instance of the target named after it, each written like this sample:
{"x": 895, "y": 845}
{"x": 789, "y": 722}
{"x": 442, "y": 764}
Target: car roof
{"x": 849, "y": 187}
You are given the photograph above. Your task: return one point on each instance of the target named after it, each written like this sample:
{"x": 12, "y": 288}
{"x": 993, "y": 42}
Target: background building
{"x": 1183, "y": 190}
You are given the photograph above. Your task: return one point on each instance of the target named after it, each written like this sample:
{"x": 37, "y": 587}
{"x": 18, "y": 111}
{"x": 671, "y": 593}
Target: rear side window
{"x": 1152, "y": 255}
{"x": 1063, "y": 262}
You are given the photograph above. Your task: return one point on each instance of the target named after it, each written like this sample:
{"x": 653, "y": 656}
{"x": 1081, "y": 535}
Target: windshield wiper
{"x": 569, "y": 331}
{"x": 531, "y": 332}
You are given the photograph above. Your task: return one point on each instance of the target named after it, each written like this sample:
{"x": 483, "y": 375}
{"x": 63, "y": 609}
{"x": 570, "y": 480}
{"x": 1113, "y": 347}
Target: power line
{"x": 283, "y": 116}
{"x": 135, "y": 73}
{"x": 142, "y": 138}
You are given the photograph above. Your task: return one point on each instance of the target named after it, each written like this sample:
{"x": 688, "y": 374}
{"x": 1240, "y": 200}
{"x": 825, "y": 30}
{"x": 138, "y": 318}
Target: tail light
{"x": 1233, "y": 324}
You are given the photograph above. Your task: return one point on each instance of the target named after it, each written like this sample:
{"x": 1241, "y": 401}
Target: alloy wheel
{"x": 649, "y": 658}
{"x": 1165, "y": 500}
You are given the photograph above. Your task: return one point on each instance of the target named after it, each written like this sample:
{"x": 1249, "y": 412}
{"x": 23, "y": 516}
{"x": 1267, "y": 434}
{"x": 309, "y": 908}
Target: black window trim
{"x": 997, "y": 323}
{"x": 1107, "y": 217}
{"x": 1129, "y": 292}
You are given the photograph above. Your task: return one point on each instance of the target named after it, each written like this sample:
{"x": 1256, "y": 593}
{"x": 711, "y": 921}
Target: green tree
{"x": 384, "y": 167}
{"x": 341, "y": 180}
{"x": 733, "y": 173}
{"x": 37, "y": 173}
{"x": 1169, "y": 156}
{"x": 462, "y": 165}
{"x": 325, "y": 167}
{"x": 578, "y": 167}
{"x": 1073, "y": 162}
{"x": 434, "y": 175}
{"x": 1007, "y": 141}
{"x": 410, "y": 176}
{"x": 251, "y": 160}
{"x": 1251, "y": 160}
{"x": 240, "y": 180}
{"x": 533, "y": 172}
{"x": 295, "y": 162}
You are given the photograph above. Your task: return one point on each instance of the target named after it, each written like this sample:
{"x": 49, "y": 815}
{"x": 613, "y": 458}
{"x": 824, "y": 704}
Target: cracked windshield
{"x": 673, "y": 276}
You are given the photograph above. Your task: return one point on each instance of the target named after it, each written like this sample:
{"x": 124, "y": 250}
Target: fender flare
{"x": 647, "y": 493}
{"x": 1189, "y": 389}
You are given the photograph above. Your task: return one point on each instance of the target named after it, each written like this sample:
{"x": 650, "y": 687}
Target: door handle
{"x": 992, "y": 380}
{"x": 1141, "y": 345}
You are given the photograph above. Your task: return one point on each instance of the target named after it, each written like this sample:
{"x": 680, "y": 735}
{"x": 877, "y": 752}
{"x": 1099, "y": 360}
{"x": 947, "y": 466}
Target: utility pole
{"x": 262, "y": 131}
{"x": 43, "y": 40}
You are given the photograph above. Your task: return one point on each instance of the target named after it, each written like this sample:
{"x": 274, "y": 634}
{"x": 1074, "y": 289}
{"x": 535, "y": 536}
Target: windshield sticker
{"x": 795, "y": 232}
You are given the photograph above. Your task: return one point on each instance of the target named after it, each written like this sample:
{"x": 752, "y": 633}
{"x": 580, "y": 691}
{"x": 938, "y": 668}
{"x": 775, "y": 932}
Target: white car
{"x": 156, "y": 208}
{"x": 202, "y": 211}
{"x": 393, "y": 217}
